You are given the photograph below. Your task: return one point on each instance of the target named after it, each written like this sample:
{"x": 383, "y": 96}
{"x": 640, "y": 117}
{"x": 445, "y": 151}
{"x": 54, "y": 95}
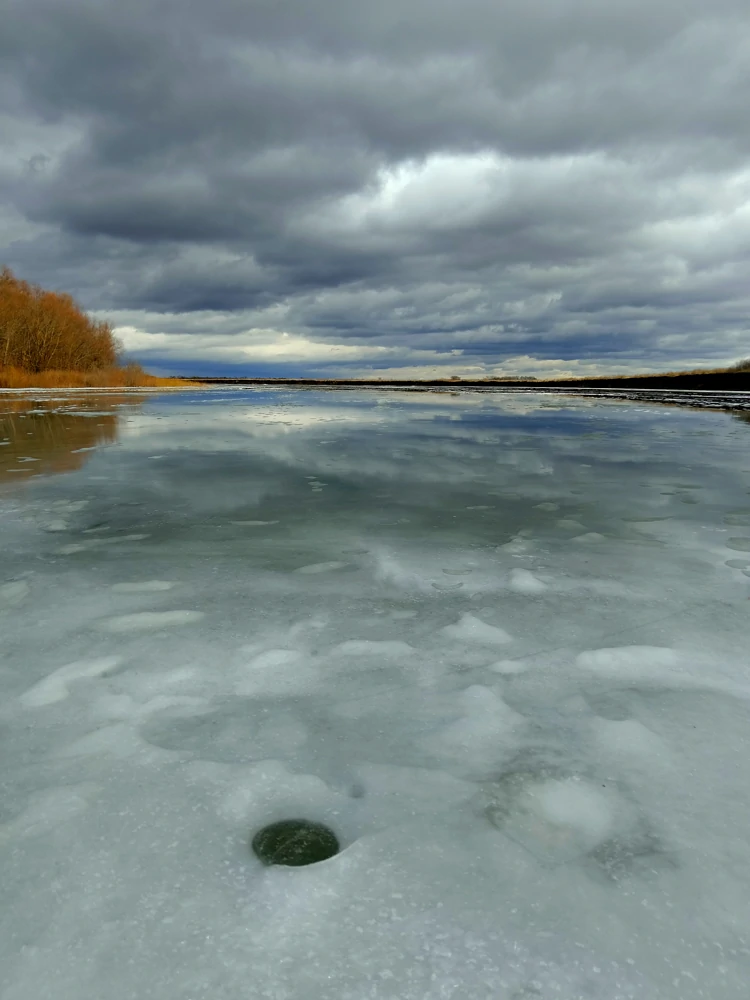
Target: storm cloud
{"x": 529, "y": 186}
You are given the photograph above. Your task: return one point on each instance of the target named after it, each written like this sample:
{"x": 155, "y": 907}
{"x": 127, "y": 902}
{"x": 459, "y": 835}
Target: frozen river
{"x": 499, "y": 644}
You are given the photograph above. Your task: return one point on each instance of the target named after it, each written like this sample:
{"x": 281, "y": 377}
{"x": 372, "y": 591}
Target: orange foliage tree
{"x": 43, "y": 331}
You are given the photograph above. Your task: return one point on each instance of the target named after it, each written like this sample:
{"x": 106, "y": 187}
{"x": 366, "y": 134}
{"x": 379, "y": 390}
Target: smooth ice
{"x": 500, "y": 644}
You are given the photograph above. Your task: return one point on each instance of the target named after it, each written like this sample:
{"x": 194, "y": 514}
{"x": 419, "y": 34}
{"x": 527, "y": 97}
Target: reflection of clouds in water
{"x": 504, "y": 440}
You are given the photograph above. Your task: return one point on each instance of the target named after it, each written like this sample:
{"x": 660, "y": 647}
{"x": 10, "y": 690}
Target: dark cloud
{"x": 528, "y": 179}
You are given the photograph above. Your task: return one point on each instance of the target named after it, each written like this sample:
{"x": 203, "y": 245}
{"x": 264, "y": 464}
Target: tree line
{"x": 44, "y": 331}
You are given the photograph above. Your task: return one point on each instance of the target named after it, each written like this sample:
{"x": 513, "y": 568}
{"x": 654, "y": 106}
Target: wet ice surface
{"x": 499, "y": 645}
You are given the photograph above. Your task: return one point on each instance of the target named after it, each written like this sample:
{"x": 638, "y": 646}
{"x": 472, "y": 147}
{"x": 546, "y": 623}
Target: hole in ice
{"x": 295, "y": 842}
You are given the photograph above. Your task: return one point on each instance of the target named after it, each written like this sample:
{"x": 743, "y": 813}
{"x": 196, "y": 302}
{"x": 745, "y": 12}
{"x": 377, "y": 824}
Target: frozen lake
{"x": 499, "y": 644}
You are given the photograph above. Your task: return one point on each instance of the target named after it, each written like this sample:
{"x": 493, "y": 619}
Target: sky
{"x": 400, "y": 188}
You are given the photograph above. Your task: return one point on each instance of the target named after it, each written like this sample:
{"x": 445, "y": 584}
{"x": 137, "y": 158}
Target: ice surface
{"x": 498, "y": 644}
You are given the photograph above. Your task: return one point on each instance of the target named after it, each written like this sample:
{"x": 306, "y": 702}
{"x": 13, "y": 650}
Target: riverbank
{"x": 127, "y": 377}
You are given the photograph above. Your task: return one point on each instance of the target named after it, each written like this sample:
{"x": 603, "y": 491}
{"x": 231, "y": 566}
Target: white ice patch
{"x": 96, "y": 543}
{"x": 48, "y": 810}
{"x": 393, "y": 795}
{"x": 253, "y": 524}
{"x": 558, "y": 819}
{"x": 55, "y": 687}
{"x": 570, "y": 524}
{"x": 589, "y": 538}
{"x": 517, "y": 546}
{"x": 56, "y": 525}
{"x": 522, "y": 581}
{"x": 631, "y": 741}
{"x": 13, "y": 592}
{"x": 136, "y": 537}
{"x": 118, "y": 740}
{"x": 269, "y": 791}
{"x": 142, "y": 587}
{"x": 146, "y": 621}
{"x": 391, "y": 570}
{"x": 629, "y": 661}
{"x": 487, "y": 727}
{"x": 508, "y": 667}
{"x": 277, "y": 673}
{"x": 387, "y": 648}
{"x": 69, "y": 506}
{"x": 469, "y": 628}
{"x": 573, "y": 804}
{"x": 324, "y": 567}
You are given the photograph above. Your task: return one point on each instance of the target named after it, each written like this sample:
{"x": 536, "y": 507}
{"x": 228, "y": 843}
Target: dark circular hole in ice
{"x": 295, "y": 842}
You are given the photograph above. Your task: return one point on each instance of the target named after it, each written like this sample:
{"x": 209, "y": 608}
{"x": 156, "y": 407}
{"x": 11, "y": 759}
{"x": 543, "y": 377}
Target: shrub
{"x": 48, "y": 342}
{"x": 44, "y": 331}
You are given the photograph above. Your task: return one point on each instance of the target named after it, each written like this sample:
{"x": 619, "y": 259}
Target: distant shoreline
{"x": 724, "y": 381}
{"x": 703, "y": 390}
